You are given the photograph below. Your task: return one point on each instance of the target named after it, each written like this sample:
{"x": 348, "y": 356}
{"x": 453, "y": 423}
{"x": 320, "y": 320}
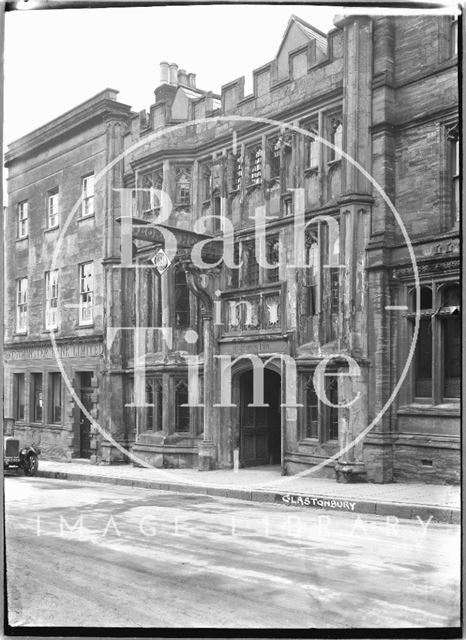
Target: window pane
{"x": 19, "y": 396}
{"x": 182, "y": 413}
{"x": 181, "y": 299}
{"x": 423, "y": 361}
{"x": 36, "y": 384}
{"x": 312, "y": 406}
{"x": 332, "y": 395}
{"x": 55, "y": 397}
{"x": 452, "y": 357}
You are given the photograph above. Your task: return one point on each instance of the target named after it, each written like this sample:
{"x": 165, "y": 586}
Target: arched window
{"x": 181, "y": 299}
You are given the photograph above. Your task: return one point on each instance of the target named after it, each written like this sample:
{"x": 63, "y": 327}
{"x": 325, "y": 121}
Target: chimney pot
{"x": 182, "y": 77}
{"x": 164, "y": 72}
{"x": 173, "y": 76}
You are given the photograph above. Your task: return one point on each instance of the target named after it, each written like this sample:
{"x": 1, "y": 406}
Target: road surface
{"x": 83, "y": 554}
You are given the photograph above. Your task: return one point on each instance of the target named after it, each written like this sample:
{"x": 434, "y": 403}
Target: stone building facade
{"x": 335, "y": 185}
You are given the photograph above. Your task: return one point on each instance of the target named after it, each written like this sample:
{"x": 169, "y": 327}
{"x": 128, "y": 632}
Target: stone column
{"x": 208, "y": 447}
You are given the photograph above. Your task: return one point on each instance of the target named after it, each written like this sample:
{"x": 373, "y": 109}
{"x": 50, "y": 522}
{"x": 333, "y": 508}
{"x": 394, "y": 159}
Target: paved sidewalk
{"x": 265, "y": 484}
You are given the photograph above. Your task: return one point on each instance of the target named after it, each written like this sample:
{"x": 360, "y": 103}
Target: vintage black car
{"x": 16, "y": 457}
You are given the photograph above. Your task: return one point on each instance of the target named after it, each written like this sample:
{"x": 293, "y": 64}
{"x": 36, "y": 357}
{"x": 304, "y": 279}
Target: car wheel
{"x": 31, "y": 465}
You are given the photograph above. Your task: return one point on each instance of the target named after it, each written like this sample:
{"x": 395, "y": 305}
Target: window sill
{"x": 22, "y": 238}
{"x": 333, "y": 163}
{"x": 46, "y": 331}
{"x": 20, "y": 334}
{"x": 253, "y": 186}
{"x": 51, "y": 228}
{"x": 85, "y": 326}
{"x": 88, "y": 217}
{"x": 311, "y": 171}
{"x": 451, "y": 408}
{"x": 234, "y": 192}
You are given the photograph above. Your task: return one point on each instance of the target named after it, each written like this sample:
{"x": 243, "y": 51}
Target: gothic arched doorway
{"x": 260, "y": 427}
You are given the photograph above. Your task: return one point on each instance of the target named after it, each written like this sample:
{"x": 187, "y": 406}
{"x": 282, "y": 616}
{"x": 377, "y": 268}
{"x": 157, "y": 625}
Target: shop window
{"x": 36, "y": 397}
{"x": 273, "y": 257}
{"x": 21, "y": 305}
{"x": 55, "y": 395}
{"x": 18, "y": 393}
{"x": 52, "y": 209}
{"x": 181, "y": 299}
{"x": 183, "y": 186}
{"x": 182, "y": 423}
{"x": 154, "y": 394}
{"x": 87, "y": 194}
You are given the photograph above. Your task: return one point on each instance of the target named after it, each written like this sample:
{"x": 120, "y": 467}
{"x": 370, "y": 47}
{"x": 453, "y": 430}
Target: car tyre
{"x": 31, "y": 465}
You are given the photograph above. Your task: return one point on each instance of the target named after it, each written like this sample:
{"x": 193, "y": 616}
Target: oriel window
{"x": 183, "y": 186}
{"x": 273, "y": 257}
{"x": 255, "y": 163}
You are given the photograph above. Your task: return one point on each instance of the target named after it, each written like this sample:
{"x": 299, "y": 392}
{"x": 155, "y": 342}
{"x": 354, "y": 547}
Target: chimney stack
{"x": 164, "y": 73}
{"x": 182, "y": 77}
{"x": 192, "y": 80}
{"x": 173, "y": 73}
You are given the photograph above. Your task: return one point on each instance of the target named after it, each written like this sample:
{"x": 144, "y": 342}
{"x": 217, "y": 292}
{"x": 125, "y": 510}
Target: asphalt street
{"x": 84, "y": 554}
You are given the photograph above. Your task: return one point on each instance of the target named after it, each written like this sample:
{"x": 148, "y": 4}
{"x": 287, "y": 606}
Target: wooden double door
{"x": 260, "y": 427}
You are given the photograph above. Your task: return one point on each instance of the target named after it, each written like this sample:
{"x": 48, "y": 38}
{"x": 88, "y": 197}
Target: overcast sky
{"x": 56, "y": 59}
